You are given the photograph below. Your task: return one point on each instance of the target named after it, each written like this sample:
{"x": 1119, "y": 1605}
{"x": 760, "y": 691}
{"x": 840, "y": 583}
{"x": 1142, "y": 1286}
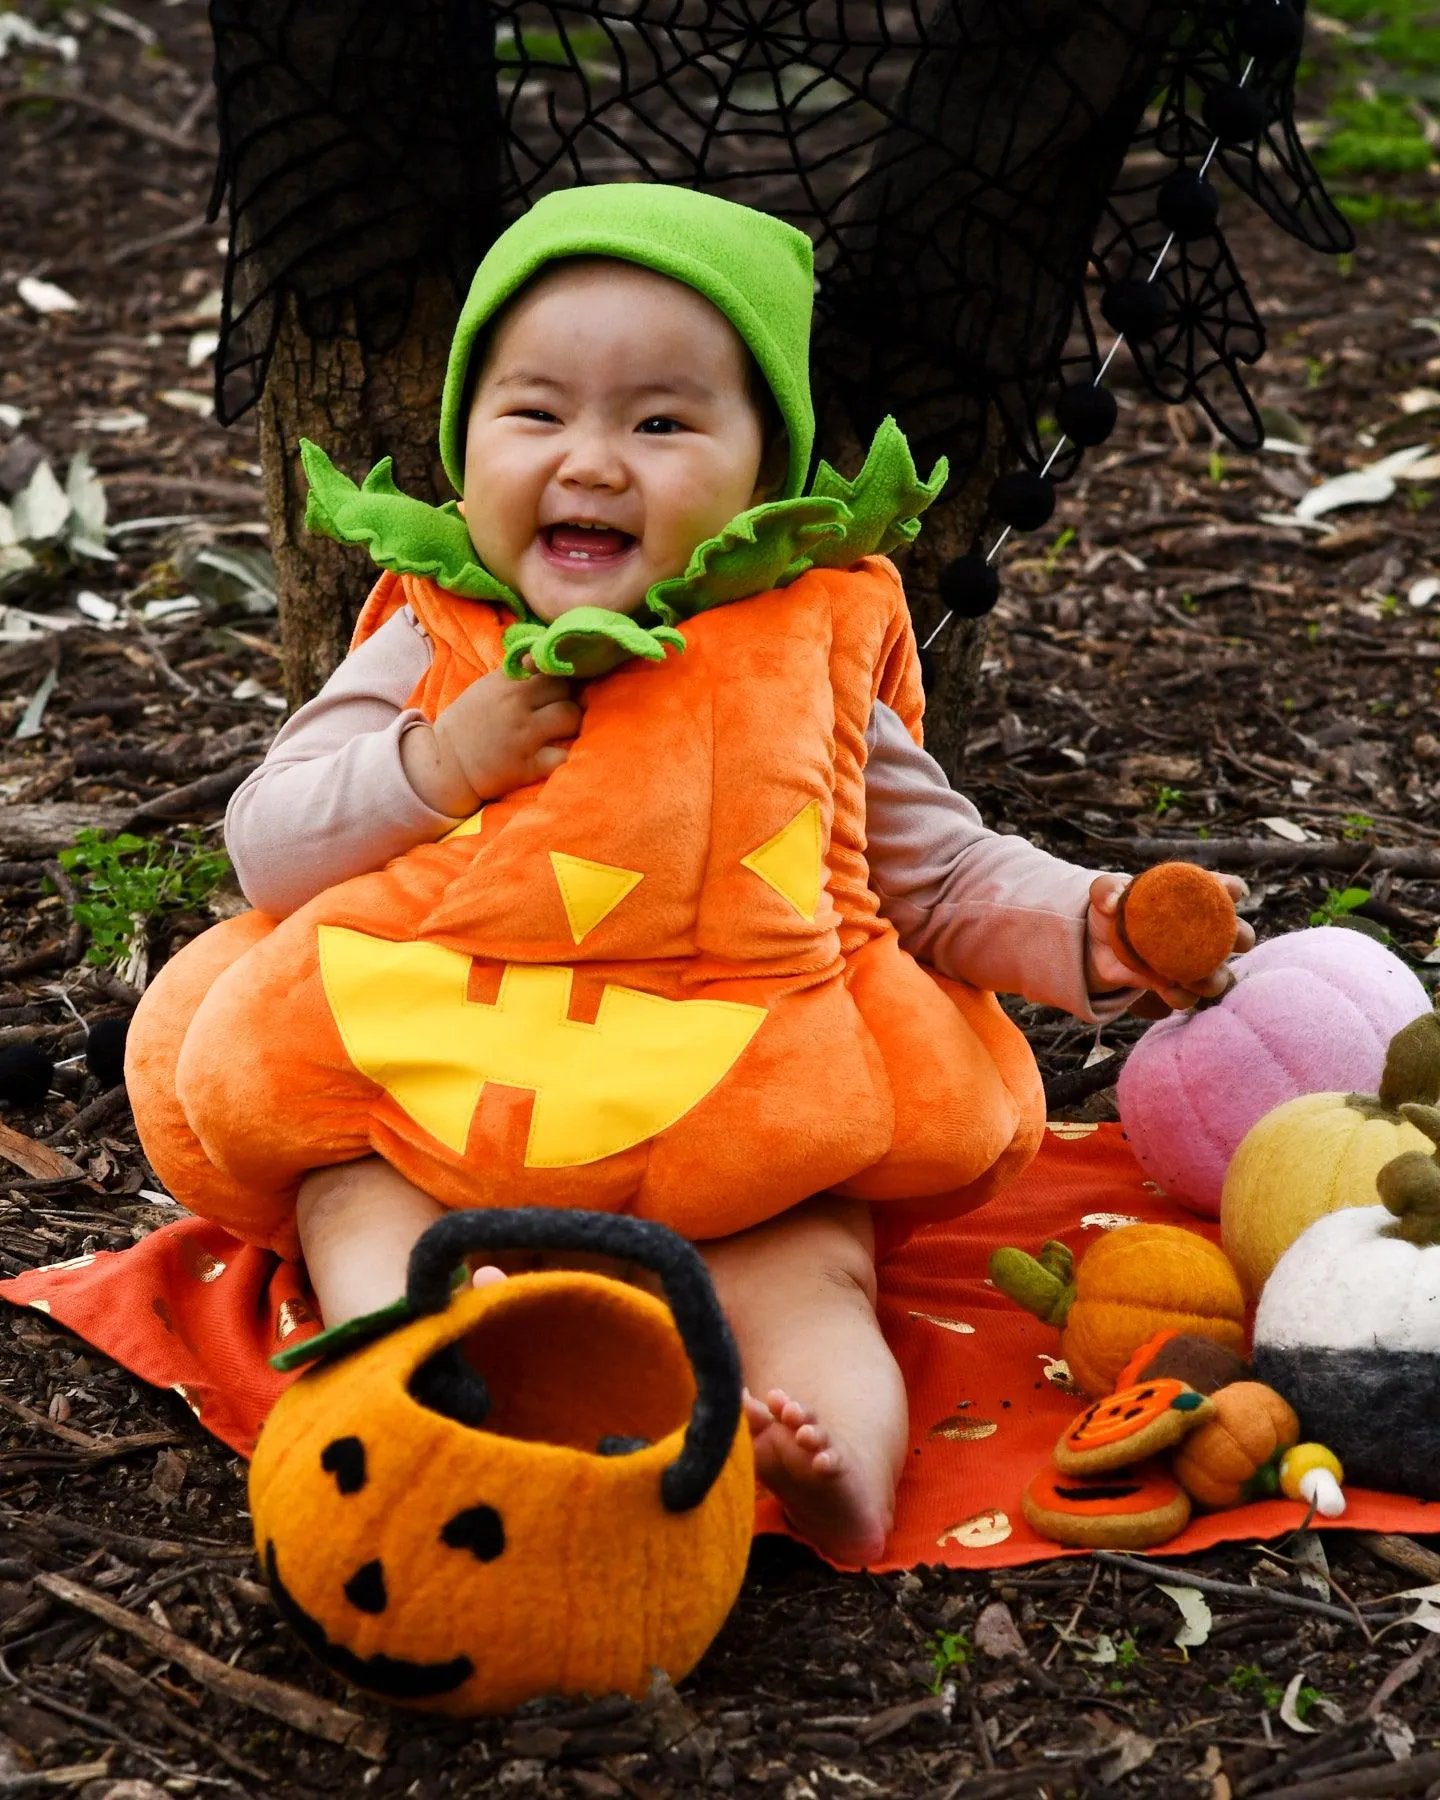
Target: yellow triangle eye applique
{"x": 467, "y": 827}
{"x": 792, "y": 862}
{"x": 590, "y": 890}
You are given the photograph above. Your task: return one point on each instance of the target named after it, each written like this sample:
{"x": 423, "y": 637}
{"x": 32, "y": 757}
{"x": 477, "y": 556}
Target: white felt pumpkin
{"x": 1348, "y": 1327}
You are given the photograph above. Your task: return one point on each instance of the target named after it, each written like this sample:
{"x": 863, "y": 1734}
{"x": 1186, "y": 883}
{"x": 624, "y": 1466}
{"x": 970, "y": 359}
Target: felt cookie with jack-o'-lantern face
{"x": 560, "y": 1506}
{"x": 1122, "y": 1509}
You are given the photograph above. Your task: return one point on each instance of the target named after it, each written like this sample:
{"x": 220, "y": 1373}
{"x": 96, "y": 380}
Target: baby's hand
{"x": 1108, "y": 965}
{"x": 498, "y": 735}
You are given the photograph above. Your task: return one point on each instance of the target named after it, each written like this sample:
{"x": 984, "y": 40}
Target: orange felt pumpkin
{"x": 562, "y": 1509}
{"x": 1129, "y": 1425}
{"x": 1133, "y": 1282}
{"x": 656, "y": 982}
{"x": 1231, "y": 1457}
{"x": 1130, "y": 1509}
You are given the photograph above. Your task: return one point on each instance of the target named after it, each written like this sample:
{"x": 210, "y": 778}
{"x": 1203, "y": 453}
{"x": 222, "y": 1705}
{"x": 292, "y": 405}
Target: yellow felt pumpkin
{"x": 1233, "y": 1456}
{"x": 1316, "y": 1154}
{"x": 563, "y": 1507}
{"x": 1132, "y": 1283}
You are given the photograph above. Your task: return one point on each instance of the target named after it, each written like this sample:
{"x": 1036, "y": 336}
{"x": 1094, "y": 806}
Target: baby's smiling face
{"x": 613, "y": 429}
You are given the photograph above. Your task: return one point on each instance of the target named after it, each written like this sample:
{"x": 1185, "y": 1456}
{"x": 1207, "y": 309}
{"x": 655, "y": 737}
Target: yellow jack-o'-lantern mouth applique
{"x": 599, "y": 1088}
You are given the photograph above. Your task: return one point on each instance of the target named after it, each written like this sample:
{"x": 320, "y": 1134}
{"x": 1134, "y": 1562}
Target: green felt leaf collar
{"x": 766, "y": 547}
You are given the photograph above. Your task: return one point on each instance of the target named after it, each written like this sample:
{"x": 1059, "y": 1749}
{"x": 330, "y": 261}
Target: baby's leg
{"x": 826, "y": 1400}
{"x": 358, "y": 1222}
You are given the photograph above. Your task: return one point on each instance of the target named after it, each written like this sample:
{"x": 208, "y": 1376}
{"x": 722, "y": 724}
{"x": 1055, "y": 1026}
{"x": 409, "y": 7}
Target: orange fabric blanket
{"x": 192, "y": 1309}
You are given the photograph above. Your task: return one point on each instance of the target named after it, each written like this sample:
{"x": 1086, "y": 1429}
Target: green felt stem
{"x": 1029, "y": 1283}
{"x": 1409, "y": 1185}
{"x": 1412, "y": 1065}
{"x": 586, "y": 641}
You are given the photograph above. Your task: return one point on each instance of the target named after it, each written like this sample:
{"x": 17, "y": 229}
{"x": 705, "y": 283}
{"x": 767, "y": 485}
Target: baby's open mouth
{"x": 578, "y": 543}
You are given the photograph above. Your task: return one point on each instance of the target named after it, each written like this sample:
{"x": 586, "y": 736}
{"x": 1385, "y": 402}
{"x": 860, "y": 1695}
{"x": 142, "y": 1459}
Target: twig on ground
{"x": 1071, "y": 1086}
{"x": 1410, "y": 1777}
{"x": 1235, "y": 1590}
{"x": 1241, "y": 853}
{"x": 234, "y": 491}
{"x": 124, "y": 116}
{"x": 96, "y": 1113}
{"x": 65, "y": 888}
{"x": 305, "y": 1712}
{"x": 1401, "y": 1553}
{"x": 1404, "y": 1671}
{"x": 208, "y": 794}
{"x": 34, "y": 962}
{"x": 140, "y": 1691}
{"x": 99, "y": 1449}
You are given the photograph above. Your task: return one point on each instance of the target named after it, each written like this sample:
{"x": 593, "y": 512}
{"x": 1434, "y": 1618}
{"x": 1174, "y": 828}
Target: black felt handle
{"x": 686, "y": 1281}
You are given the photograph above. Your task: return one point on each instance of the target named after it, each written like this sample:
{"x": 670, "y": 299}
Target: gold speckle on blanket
{"x": 1107, "y": 1221}
{"x": 1070, "y": 1129}
{"x": 961, "y": 1430}
{"x": 957, "y": 1325}
{"x": 202, "y": 1265}
{"x": 292, "y": 1315}
{"x": 979, "y": 1531}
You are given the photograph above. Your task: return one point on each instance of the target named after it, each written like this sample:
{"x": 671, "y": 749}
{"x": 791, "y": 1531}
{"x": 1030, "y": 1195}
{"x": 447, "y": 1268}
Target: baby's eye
{"x": 660, "y": 425}
{"x": 535, "y": 412}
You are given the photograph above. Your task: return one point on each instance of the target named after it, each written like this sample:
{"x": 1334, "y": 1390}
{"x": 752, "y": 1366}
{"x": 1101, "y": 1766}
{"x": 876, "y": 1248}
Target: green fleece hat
{"x": 757, "y": 270}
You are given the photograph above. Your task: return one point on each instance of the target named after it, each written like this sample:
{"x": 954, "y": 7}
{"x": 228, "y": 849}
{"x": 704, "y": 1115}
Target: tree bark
{"x": 953, "y": 665}
{"x": 358, "y": 406}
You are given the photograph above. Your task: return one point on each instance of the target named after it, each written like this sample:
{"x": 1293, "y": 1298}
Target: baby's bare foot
{"x": 831, "y": 1498}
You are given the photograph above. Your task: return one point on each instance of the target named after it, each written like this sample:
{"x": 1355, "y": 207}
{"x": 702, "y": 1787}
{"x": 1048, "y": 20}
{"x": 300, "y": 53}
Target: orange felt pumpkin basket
{"x": 479, "y": 1496}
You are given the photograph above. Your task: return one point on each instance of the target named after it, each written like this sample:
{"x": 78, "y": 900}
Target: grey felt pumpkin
{"x": 1348, "y": 1327}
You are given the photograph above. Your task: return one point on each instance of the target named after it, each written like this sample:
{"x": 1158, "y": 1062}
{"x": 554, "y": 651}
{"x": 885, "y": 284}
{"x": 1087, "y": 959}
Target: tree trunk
{"x": 358, "y": 406}
{"x": 953, "y": 665}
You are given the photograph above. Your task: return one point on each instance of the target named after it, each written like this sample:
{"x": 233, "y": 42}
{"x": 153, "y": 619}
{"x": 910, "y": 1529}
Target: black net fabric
{"x": 959, "y": 165}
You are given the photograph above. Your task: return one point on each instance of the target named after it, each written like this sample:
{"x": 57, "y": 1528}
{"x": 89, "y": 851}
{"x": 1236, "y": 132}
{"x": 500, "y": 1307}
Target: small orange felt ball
{"x": 1177, "y": 920}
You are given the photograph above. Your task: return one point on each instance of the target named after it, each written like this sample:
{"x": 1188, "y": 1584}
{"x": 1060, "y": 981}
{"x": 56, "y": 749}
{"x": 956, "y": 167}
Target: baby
{"x": 629, "y": 386}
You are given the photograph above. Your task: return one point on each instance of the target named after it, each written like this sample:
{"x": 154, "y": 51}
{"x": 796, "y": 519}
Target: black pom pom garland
{"x": 25, "y": 1072}
{"x": 1086, "y": 414}
{"x": 1235, "y": 114}
{"x": 1022, "y": 500}
{"x": 1188, "y": 205}
{"x": 105, "y": 1051}
{"x": 1134, "y": 308}
{"x": 969, "y": 586}
{"x": 1268, "y": 30}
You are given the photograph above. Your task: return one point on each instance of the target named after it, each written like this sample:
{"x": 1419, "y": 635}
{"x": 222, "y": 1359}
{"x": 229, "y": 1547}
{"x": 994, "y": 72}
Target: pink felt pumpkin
{"x": 1310, "y": 1012}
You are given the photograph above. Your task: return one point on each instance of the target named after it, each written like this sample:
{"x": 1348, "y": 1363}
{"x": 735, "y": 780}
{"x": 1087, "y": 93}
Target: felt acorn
{"x": 1320, "y": 1152}
{"x": 479, "y": 1496}
{"x": 1348, "y": 1328}
{"x": 1131, "y": 1283}
{"x": 1178, "y": 920}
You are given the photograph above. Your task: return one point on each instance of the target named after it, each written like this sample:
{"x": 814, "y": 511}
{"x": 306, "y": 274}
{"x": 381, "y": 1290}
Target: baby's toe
{"x": 812, "y": 1436}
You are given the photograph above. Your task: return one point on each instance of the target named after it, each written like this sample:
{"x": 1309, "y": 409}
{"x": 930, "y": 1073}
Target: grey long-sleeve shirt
{"x": 332, "y": 800}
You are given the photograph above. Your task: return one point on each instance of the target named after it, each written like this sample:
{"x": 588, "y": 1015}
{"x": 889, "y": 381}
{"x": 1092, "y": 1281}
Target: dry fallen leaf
{"x": 37, "y": 1160}
{"x": 1195, "y": 1614}
{"x": 996, "y": 1633}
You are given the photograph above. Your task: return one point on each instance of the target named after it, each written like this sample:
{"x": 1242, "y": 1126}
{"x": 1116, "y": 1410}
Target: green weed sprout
{"x": 1165, "y": 798}
{"x": 1338, "y": 904}
{"x": 948, "y": 1650}
{"x": 126, "y": 883}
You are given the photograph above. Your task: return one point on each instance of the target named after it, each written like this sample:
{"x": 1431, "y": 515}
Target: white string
{"x": 1100, "y": 373}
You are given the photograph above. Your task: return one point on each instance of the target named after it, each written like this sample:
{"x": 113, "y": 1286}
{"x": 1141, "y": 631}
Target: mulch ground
{"x": 1165, "y": 663}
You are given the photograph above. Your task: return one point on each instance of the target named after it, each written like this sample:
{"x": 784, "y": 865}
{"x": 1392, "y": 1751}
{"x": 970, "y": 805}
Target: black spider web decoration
{"x": 957, "y": 163}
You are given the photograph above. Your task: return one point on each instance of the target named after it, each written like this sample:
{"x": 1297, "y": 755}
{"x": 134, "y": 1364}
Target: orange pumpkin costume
{"x": 656, "y": 982}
